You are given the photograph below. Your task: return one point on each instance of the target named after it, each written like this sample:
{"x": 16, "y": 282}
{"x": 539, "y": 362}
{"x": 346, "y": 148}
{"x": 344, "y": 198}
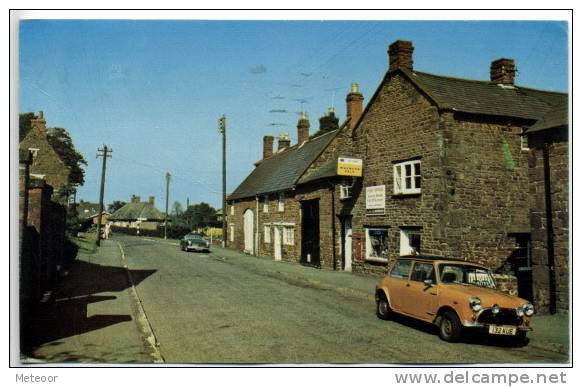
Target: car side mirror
{"x": 428, "y": 282}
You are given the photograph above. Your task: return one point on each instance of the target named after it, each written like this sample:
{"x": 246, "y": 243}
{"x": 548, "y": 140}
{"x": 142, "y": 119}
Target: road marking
{"x": 142, "y": 319}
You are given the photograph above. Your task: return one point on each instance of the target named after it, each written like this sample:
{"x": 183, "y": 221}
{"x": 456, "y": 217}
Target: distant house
{"x": 46, "y": 162}
{"x": 138, "y": 215}
{"x": 88, "y": 213}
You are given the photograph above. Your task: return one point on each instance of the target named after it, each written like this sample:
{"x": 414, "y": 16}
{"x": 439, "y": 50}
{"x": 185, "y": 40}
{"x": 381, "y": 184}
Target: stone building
{"x": 46, "y": 162}
{"x": 446, "y": 169}
{"x": 290, "y": 206}
{"x": 138, "y": 215}
{"x": 549, "y": 194}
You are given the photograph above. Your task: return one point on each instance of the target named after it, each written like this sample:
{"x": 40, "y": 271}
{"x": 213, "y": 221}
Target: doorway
{"x": 347, "y": 243}
{"x": 310, "y": 233}
{"x": 249, "y": 231}
{"x": 277, "y": 243}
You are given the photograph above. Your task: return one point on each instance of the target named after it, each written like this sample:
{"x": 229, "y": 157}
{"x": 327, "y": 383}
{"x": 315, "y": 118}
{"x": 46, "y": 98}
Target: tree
{"x": 116, "y": 205}
{"x": 200, "y": 215}
{"x": 62, "y": 143}
{"x": 177, "y": 209}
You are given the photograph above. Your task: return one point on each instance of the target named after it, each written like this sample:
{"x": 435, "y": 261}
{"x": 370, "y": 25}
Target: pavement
{"x": 92, "y": 316}
{"x": 227, "y": 307}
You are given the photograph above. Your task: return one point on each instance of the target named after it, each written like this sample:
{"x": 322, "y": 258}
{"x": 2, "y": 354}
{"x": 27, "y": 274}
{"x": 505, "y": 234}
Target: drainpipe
{"x": 550, "y": 227}
{"x": 256, "y": 246}
{"x": 333, "y": 255}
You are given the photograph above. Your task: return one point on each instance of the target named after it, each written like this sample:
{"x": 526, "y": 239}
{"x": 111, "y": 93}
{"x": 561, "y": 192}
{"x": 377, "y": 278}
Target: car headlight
{"x": 528, "y": 309}
{"x": 495, "y": 309}
{"x": 475, "y": 304}
{"x": 519, "y": 311}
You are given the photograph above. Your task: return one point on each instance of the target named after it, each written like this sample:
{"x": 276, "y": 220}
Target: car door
{"x": 398, "y": 281}
{"x": 422, "y": 299}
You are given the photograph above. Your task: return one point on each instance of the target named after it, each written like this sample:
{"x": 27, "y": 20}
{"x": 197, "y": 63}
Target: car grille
{"x": 504, "y": 317}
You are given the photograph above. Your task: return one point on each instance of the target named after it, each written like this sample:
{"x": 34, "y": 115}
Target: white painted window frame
{"x": 405, "y": 233}
{"x": 266, "y": 204}
{"x": 288, "y": 235}
{"x": 400, "y": 176}
{"x": 281, "y": 203}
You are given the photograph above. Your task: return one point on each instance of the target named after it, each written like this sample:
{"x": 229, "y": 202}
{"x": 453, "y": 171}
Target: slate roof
{"x": 283, "y": 170}
{"x": 555, "y": 118}
{"x": 327, "y": 169}
{"x": 485, "y": 97}
{"x": 135, "y": 211}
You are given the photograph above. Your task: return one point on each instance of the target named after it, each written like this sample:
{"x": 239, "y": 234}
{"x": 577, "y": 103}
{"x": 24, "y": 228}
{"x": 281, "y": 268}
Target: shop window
{"x": 407, "y": 179}
{"x": 377, "y": 244}
{"x": 410, "y": 241}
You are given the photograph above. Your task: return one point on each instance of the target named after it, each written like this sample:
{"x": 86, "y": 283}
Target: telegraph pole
{"x": 222, "y": 130}
{"x": 105, "y": 153}
{"x": 167, "y": 198}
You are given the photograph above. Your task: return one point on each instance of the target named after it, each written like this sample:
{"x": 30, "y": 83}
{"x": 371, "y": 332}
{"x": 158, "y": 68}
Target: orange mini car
{"x": 452, "y": 294}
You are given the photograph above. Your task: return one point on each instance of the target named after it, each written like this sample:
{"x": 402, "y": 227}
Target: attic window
{"x": 281, "y": 204}
{"x": 34, "y": 151}
{"x": 524, "y": 141}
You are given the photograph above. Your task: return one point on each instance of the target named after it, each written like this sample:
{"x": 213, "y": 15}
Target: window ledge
{"x": 377, "y": 260}
{"x": 407, "y": 195}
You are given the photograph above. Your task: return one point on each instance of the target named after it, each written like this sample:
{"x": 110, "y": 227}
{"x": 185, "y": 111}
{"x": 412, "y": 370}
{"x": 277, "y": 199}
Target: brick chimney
{"x": 503, "y": 71}
{"x": 400, "y": 55}
{"x": 39, "y": 122}
{"x": 152, "y": 200}
{"x": 355, "y": 105}
{"x": 284, "y": 142}
{"x": 135, "y": 199}
{"x": 303, "y": 128}
{"x": 268, "y": 146}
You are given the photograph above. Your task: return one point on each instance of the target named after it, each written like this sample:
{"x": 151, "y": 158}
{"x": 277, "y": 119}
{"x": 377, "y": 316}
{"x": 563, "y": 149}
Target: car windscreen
{"x": 465, "y": 274}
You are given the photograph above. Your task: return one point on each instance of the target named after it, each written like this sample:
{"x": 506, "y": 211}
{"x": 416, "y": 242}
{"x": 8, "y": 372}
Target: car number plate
{"x": 501, "y": 330}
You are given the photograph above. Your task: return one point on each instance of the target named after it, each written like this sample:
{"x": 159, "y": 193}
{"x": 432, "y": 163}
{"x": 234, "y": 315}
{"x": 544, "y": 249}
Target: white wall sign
{"x": 376, "y": 200}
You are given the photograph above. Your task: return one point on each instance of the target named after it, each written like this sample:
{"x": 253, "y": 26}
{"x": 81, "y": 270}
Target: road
{"x": 225, "y": 307}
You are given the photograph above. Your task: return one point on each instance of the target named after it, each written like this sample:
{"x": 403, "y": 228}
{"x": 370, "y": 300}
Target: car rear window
{"x": 401, "y": 269}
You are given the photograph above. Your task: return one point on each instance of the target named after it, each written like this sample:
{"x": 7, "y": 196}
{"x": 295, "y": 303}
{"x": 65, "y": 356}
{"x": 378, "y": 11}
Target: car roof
{"x": 438, "y": 258}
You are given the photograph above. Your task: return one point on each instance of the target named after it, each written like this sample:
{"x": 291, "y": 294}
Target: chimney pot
{"x": 503, "y": 71}
{"x": 400, "y": 55}
{"x": 268, "y": 146}
{"x": 39, "y": 122}
{"x": 303, "y": 128}
{"x": 355, "y": 105}
{"x": 284, "y": 142}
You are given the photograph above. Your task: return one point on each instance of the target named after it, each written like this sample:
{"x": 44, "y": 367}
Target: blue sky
{"x": 154, "y": 90}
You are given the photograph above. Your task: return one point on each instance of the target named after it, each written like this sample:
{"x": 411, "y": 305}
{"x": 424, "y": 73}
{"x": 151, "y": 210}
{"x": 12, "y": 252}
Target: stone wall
{"x": 474, "y": 179}
{"x": 556, "y": 141}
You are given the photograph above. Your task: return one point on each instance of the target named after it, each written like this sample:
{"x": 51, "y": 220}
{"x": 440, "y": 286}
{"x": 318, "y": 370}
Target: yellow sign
{"x": 349, "y": 167}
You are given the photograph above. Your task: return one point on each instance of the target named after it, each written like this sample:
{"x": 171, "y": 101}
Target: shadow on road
{"x": 66, "y": 314}
{"x": 468, "y": 337}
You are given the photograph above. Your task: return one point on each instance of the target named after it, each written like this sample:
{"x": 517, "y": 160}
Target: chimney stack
{"x": 400, "y": 55}
{"x": 267, "y": 146}
{"x": 503, "y": 71}
{"x": 39, "y": 122}
{"x": 135, "y": 199}
{"x": 284, "y": 142}
{"x": 302, "y": 128}
{"x": 152, "y": 200}
{"x": 328, "y": 122}
{"x": 355, "y": 105}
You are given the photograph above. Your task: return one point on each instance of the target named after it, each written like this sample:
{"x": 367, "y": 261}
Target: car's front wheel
{"x": 450, "y": 327}
{"x": 383, "y": 310}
